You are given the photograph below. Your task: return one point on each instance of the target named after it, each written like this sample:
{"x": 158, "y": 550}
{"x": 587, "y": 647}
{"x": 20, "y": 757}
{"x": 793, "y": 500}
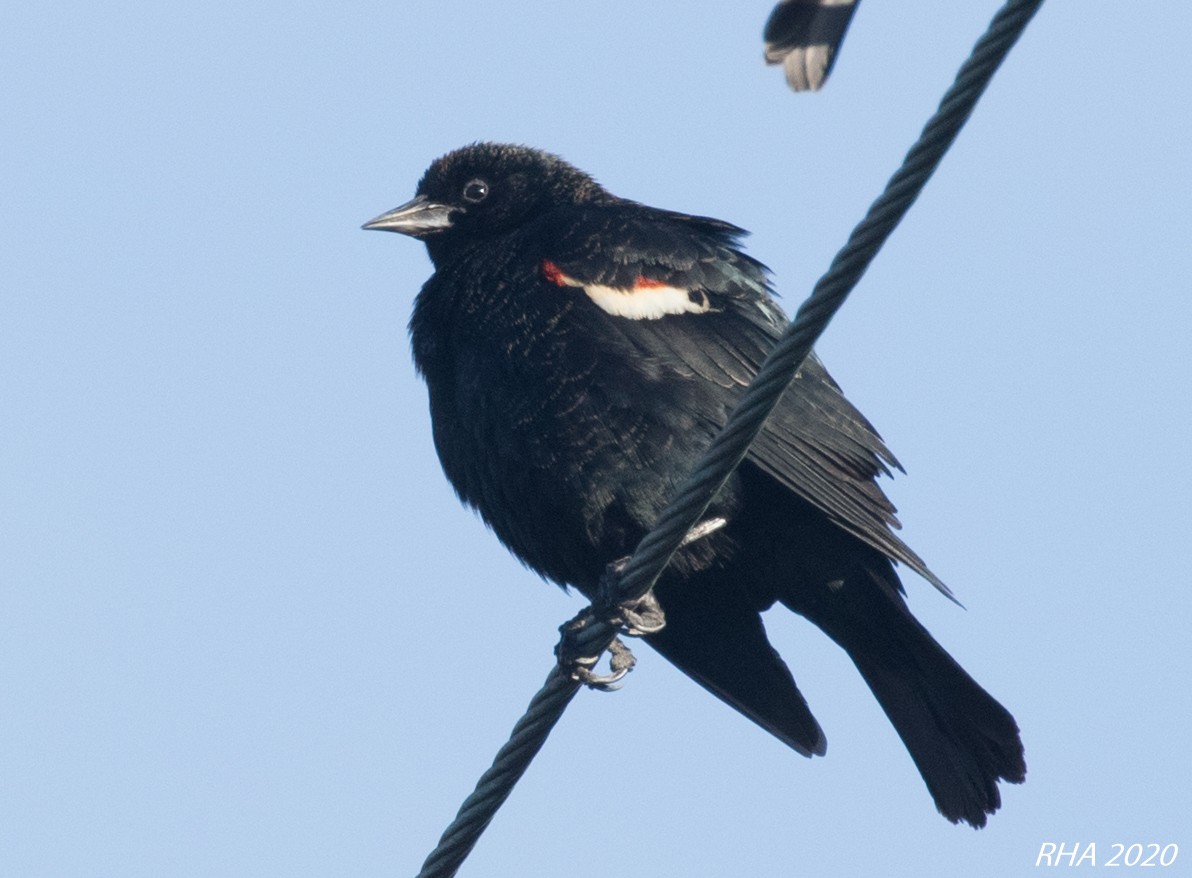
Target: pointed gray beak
{"x": 417, "y": 217}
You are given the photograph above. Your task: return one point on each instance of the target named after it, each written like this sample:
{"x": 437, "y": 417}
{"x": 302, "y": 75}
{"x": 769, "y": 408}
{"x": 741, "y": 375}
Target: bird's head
{"x": 484, "y": 190}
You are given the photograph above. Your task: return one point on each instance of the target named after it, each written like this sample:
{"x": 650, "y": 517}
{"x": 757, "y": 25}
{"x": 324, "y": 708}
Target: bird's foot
{"x": 570, "y": 654}
{"x": 642, "y": 616}
{"x": 637, "y": 617}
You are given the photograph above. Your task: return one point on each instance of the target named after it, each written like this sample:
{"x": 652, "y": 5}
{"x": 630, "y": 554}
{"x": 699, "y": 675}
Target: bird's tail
{"x": 960, "y": 738}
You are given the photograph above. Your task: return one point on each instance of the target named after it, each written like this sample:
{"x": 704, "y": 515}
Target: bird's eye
{"x": 475, "y": 191}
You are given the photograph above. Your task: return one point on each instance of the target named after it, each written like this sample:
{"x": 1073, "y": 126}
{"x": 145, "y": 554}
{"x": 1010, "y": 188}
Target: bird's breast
{"x": 547, "y": 423}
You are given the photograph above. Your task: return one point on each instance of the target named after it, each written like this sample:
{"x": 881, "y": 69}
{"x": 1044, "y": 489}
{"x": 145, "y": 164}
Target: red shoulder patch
{"x": 645, "y": 283}
{"x": 554, "y": 274}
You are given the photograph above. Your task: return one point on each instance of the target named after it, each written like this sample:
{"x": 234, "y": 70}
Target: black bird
{"x": 803, "y": 35}
{"x": 580, "y": 351}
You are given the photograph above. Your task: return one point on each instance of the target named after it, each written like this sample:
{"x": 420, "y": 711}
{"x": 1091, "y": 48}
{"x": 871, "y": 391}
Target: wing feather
{"x": 816, "y": 443}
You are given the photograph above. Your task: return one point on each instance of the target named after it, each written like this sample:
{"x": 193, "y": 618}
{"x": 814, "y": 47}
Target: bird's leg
{"x": 701, "y": 530}
{"x": 643, "y": 616}
{"x": 637, "y": 617}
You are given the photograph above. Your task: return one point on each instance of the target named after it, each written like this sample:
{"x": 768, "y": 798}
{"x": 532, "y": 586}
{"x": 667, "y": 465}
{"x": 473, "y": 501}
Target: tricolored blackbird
{"x": 580, "y": 351}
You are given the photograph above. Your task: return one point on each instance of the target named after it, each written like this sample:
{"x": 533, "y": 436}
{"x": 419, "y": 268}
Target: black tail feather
{"x": 960, "y": 738}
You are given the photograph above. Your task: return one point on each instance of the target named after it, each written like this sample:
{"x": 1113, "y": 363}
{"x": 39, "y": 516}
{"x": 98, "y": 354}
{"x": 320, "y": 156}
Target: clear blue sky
{"x": 246, "y": 629}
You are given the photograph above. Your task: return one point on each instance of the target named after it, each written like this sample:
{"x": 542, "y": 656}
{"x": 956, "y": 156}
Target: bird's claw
{"x": 638, "y": 617}
{"x": 641, "y": 617}
{"x": 580, "y": 667}
{"x": 621, "y": 662}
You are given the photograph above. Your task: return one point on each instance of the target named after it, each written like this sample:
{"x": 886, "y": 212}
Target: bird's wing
{"x": 683, "y": 297}
{"x": 715, "y": 636}
{"x": 803, "y": 35}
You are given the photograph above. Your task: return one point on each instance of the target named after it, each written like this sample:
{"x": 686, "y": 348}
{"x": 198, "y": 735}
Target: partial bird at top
{"x": 802, "y": 36}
